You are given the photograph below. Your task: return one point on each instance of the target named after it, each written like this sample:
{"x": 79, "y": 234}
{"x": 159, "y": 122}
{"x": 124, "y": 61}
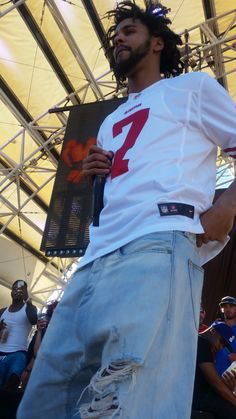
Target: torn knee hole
{"x": 100, "y": 406}
{"x": 105, "y": 401}
{"x": 114, "y": 372}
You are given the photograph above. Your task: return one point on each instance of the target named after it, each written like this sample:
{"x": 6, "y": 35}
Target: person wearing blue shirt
{"x": 223, "y": 357}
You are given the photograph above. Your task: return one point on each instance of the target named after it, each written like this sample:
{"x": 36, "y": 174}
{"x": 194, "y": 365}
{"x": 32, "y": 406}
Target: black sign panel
{"x": 67, "y": 226}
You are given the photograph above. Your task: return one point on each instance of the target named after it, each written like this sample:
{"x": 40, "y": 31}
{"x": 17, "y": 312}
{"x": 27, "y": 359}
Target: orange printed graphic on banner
{"x": 73, "y": 154}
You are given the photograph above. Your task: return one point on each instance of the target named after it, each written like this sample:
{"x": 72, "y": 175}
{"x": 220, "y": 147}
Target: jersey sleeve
{"x": 218, "y": 115}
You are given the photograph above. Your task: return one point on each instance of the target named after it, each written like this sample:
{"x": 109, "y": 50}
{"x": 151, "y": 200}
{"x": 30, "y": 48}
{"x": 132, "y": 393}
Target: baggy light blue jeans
{"x": 122, "y": 342}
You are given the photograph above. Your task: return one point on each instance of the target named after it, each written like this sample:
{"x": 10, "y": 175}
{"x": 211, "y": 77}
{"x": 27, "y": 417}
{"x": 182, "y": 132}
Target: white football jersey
{"x": 165, "y": 142}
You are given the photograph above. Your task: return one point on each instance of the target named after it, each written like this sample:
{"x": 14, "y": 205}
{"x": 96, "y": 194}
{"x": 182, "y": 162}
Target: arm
{"x": 2, "y": 311}
{"x": 29, "y": 366}
{"x": 211, "y": 375}
{"x": 217, "y": 114}
{"x": 42, "y": 325}
{"x": 218, "y": 220}
{"x": 2, "y": 323}
{"x": 37, "y": 343}
{"x": 32, "y": 352}
{"x": 26, "y": 374}
{"x": 31, "y": 312}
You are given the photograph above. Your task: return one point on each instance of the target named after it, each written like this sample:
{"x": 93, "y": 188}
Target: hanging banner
{"x": 66, "y": 231}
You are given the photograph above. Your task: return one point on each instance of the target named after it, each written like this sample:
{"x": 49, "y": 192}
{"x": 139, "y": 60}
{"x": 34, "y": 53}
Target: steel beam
{"x": 74, "y": 48}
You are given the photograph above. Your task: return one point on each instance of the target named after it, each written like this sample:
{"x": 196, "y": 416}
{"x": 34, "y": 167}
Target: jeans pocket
{"x": 196, "y": 281}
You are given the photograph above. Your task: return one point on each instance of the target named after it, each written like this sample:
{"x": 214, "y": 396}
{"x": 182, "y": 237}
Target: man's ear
{"x": 158, "y": 44}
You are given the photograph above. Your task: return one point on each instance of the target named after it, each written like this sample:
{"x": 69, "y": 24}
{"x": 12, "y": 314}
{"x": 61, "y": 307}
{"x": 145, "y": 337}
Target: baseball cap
{"x": 227, "y": 300}
{"x": 225, "y": 331}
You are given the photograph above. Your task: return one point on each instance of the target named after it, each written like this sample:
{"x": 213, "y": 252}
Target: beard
{"x": 230, "y": 316}
{"x": 123, "y": 68}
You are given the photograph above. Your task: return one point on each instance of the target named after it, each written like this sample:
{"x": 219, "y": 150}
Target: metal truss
{"x": 213, "y": 50}
{"x": 12, "y": 7}
{"x": 217, "y": 39}
{"x": 57, "y": 280}
{"x": 74, "y": 48}
{"x": 58, "y": 277}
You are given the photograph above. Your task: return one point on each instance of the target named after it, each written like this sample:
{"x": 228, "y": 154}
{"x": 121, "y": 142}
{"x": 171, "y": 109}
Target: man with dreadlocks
{"x": 119, "y": 346}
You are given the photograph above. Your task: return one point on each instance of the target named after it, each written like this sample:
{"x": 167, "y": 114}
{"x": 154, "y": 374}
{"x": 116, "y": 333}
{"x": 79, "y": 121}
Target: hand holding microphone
{"x": 96, "y": 166}
{"x": 97, "y": 162}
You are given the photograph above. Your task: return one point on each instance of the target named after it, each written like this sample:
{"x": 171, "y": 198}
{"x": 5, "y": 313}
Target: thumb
{"x": 199, "y": 240}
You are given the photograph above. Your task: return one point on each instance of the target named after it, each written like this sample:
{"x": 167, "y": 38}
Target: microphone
{"x": 97, "y": 201}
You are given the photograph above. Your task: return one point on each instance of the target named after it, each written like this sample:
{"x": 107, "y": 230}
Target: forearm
{"x": 38, "y": 341}
{"x": 225, "y": 392}
{"x": 218, "y": 220}
{"x": 216, "y": 382}
{"x": 30, "y": 365}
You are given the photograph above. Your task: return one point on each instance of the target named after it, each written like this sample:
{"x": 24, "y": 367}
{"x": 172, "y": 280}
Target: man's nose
{"x": 118, "y": 39}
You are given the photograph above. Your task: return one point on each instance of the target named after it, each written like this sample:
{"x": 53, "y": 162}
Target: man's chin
{"x": 122, "y": 69}
{"x": 125, "y": 68}
{"x": 122, "y": 56}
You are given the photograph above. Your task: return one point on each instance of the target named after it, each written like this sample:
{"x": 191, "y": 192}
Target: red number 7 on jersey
{"x": 136, "y": 121}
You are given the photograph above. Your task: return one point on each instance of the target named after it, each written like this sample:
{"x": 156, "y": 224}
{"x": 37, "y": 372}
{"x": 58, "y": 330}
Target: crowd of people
{"x": 215, "y": 377}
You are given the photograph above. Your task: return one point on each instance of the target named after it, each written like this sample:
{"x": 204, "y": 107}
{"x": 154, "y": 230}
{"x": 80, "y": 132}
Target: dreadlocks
{"x": 154, "y": 18}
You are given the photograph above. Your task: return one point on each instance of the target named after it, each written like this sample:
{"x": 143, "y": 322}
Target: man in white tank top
{"x": 15, "y": 324}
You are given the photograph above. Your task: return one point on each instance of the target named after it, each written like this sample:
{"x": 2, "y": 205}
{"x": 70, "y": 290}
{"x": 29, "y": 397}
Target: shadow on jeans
{"x": 198, "y": 414}
{"x": 9, "y": 402}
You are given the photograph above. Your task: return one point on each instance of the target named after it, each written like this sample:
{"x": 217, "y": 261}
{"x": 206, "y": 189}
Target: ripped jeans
{"x": 122, "y": 342}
